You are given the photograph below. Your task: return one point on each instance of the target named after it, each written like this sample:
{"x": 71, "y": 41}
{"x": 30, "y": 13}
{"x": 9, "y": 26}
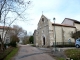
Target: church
{"x": 48, "y": 33}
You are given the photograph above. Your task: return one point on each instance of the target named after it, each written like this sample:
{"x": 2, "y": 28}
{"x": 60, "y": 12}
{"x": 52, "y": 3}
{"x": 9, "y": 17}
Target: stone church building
{"x": 47, "y": 32}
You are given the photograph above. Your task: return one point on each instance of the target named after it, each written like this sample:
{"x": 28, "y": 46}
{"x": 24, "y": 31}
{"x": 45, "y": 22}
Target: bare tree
{"x": 26, "y": 40}
{"x": 19, "y": 31}
{"x": 12, "y": 10}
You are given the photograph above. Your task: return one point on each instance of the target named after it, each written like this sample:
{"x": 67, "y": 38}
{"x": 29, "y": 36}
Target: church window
{"x": 43, "y": 19}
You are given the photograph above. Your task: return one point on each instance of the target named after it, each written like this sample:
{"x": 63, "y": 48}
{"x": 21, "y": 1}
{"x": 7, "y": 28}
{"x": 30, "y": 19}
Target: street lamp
{"x": 54, "y": 31}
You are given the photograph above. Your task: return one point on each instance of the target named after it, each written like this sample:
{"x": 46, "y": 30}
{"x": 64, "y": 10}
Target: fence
{"x": 64, "y": 44}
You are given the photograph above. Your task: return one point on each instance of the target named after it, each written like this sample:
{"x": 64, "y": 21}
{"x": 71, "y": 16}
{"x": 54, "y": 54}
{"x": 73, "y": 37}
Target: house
{"x": 72, "y": 22}
{"x": 47, "y": 32}
{"x": 5, "y": 33}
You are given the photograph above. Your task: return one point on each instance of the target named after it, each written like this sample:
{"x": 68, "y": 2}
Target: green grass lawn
{"x": 4, "y": 53}
{"x": 70, "y": 53}
{"x": 8, "y": 57}
{"x": 73, "y": 54}
{"x": 59, "y": 58}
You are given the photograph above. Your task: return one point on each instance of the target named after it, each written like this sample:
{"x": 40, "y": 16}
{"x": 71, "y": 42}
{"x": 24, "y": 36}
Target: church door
{"x": 43, "y": 40}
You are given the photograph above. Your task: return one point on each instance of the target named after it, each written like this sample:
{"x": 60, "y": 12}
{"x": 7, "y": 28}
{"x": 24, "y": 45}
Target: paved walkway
{"x": 27, "y": 52}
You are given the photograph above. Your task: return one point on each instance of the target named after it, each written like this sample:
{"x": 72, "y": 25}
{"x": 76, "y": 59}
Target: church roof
{"x": 73, "y": 20}
{"x": 44, "y": 16}
{"x": 62, "y": 25}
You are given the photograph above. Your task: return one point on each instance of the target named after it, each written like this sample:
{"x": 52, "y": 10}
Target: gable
{"x": 68, "y": 22}
{"x": 43, "y": 21}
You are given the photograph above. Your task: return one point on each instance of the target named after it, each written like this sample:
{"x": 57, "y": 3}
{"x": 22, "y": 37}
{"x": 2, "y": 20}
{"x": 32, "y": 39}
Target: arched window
{"x": 43, "y": 19}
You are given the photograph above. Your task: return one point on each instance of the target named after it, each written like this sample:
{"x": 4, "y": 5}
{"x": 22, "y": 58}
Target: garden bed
{"x": 3, "y": 54}
{"x": 8, "y": 53}
{"x": 12, "y": 54}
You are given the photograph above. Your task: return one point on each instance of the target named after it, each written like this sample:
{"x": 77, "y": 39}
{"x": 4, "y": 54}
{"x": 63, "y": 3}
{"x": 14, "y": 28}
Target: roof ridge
{"x": 62, "y": 25}
{"x": 72, "y": 19}
{"x": 44, "y": 16}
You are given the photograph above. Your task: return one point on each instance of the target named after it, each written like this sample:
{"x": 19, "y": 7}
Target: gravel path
{"x": 27, "y": 52}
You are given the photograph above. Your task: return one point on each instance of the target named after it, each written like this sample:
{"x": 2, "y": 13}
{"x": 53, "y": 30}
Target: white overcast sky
{"x": 60, "y": 9}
